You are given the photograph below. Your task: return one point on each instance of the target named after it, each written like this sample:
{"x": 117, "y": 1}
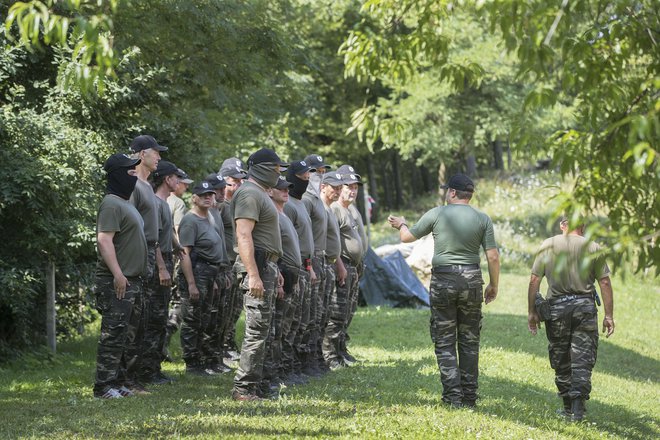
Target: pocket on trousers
{"x": 439, "y": 297}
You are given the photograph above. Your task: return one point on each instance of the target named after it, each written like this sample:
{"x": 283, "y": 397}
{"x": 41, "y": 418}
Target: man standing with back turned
{"x": 572, "y": 324}
{"x": 459, "y": 231}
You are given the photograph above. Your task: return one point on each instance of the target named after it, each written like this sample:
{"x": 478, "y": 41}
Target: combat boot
{"x": 577, "y": 409}
{"x": 567, "y": 410}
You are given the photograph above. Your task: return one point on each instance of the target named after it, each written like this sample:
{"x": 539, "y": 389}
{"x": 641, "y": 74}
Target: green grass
{"x": 393, "y": 393}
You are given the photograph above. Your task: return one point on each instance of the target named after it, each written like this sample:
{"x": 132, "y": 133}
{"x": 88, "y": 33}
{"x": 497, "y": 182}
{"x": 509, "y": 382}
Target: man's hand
{"x": 533, "y": 323}
{"x": 395, "y": 221}
{"x": 120, "y": 286}
{"x": 608, "y": 324}
{"x": 193, "y": 291}
{"x": 312, "y": 275}
{"x": 256, "y": 286}
{"x": 342, "y": 273}
{"x": 490, "y": 293}
{"x": 164, "y": 276}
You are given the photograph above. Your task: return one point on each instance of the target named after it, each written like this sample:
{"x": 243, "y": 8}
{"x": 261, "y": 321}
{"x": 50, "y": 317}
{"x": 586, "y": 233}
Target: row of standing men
{"x": 287, "y": 249}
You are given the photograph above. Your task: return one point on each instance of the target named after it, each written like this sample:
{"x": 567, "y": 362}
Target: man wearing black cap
{"x": 232, "y": 170}
{"x": 298, "y": 174}
{"x": 223, "y": 281}
{"x": 143, "y": 198}
{"x": 122, "y": 261}
{"x": 316, "y": 209}
{"x": 259, "y": 247}
{"x": 353, "y": 249}
{"x": 158, "y": 294}
{"x": 279, "y": 363}
{"x": 456, "y": 285}
{"x": 332, "y": 323}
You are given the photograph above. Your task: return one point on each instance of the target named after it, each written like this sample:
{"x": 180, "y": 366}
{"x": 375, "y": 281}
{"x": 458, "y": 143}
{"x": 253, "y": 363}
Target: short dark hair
{"x": 463, "y": 195}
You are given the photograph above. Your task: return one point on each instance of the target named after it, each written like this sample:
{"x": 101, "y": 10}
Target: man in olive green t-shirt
{"x": 259, "y": 246}
{"x": 459, "y": 231}
{"x": 571, "y": 264}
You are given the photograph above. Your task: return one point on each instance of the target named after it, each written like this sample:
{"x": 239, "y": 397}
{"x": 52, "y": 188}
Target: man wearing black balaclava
{"x": 299, "y": 333}
{"x": 122, "y": 261}
{"x": 316, "y": 210}
{"x": 259, "y": 246}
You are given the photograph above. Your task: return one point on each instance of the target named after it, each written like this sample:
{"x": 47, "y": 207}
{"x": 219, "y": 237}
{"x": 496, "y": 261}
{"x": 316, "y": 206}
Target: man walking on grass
{"x": 459, "y": 231}
{"x": 571, "y": 320}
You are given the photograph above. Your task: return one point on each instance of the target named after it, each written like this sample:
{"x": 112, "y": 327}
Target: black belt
{"x": 209, "y": 263}
{"x": 564, "y": 298}
{"x": 348, "y": 261}
{"x": 455, "y": 268}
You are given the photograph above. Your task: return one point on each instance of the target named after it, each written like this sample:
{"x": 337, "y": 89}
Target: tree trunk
{"x": 442, "y": 179}
{"x": 471, "y": 165}
{"x": 398, "y": 200}
{"x": 372, "y": 190}
{"x": 387, "y": 184}
{"x": 497, "y": 154}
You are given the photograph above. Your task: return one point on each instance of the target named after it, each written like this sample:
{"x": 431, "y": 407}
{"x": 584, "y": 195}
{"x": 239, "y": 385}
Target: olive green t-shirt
{"x": 202, "y": 236}
{"x": 458, "y": 232}
{"x": 178, "y": 208}
{"x": 120, "y": 216}
{"x": 290, "y": 245}
{"x": 251, "y": 202}
{"x": 218, "y": 224}
{"x": 351, "y": 243}
{"x": 228, "y": 224}
{"x": 316, "y": 211}
{"x": 564, "y": 261}
{"x": 358, "y": 219}
{"x": 165, "y": 237}
{"x": 333, "y": 240}
{"x": 297, "y": 213}
{"x": 144, "y": 199}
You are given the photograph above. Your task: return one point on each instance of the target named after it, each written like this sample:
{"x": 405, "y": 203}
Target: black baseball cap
{"x": 233, "y": 167}
{"x": 216, "y": 181}
{"x": 333, "y": 179}
{"x": 165, "y": 168}
{"x": 300, "y": 167}
{"x": 144, "y": 142}
{"x": 183, "y": 176}
{"x": 203, "y": 188}
{"x": 265, "y": 155}
{"x": 349, "y": 175}
{"x": 316, "y": 161}
{"x": 282, "y": 183}
{"x": 459, "y": 182}
{"x": 119, "y": 160}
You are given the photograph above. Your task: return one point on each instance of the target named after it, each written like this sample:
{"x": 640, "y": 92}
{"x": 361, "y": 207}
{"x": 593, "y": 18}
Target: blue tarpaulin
{"x": 390, "y": 281}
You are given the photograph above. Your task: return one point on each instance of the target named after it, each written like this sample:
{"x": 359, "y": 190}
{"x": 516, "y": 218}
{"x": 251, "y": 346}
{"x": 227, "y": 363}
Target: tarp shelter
{"x": 390, "y": 281}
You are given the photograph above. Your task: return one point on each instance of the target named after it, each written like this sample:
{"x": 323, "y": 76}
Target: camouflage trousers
{"x": 338, "y": 315}
{"x": 258, "y": 316}
{"x": 196, "y": 315}
{"x": 157, "y": 299}
{"x": 119, "y": 321}
{"x": 281, "y": 355}
{"x": 313, "y": 334}
{"x": 328, "y": 293}
{"x": 140, "y": 308}
{"x": 174, "y": 314}
{"x": 301, "y": 318}
{"x": 234, "y": 306}
{"x": 572, "y": 345}
{"x": 352, "y": 302}
{"x": 456, "y": 321}
{"x": 217, "y": 322}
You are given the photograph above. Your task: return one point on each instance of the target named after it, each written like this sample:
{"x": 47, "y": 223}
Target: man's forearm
{"x": 608, "y": 296}
{"x": 493, "y": 257}
{"x": 534, "y": 285}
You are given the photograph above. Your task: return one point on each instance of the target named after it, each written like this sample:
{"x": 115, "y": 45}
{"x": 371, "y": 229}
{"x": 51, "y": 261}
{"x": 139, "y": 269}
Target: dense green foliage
{"x": 600, "y": 57}
{"x": 394, "y": 392}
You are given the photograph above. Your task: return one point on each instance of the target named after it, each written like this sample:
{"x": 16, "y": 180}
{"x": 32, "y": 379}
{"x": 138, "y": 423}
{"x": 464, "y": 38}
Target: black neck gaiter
{"x": 120, "y": 183}
{"x": 299, "y": 185}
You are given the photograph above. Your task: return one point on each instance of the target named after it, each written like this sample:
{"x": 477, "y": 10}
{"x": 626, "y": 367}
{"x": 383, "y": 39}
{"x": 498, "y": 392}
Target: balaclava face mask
{"x": 299, "y": 185}
{"x": 315, "y": 183}
{"x": 265, "y": 174}
{"x": 120, "y": 183}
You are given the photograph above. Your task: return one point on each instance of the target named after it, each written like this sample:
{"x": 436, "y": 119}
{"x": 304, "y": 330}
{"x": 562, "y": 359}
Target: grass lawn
{"x": 393, "y": 393}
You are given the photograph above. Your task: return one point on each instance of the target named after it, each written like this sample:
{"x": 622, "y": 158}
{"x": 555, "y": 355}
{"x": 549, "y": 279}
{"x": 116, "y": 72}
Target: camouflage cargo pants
{"x": 456, "y": 321}
{"x": 297, "y": 335}
{"x": 117, "y": 320}
{"x": 316, "y": 305}
{"x": 258, "y": 316}
{"x": 157, "y": 299}
{"x": 235, "y": 306}
{"x": 573, "y": 343}
{"x": 337, "y": 316}
{"x": 196, "y": 315}
{"x": 216, "y": 322}
{"x": 285, "y": 311}
{"x": 352, "y": 290}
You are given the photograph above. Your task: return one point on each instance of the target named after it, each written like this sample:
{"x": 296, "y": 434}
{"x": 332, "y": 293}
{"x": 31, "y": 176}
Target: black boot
{"x": 577, "y": 409}
{"x": 567, "y": 410}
